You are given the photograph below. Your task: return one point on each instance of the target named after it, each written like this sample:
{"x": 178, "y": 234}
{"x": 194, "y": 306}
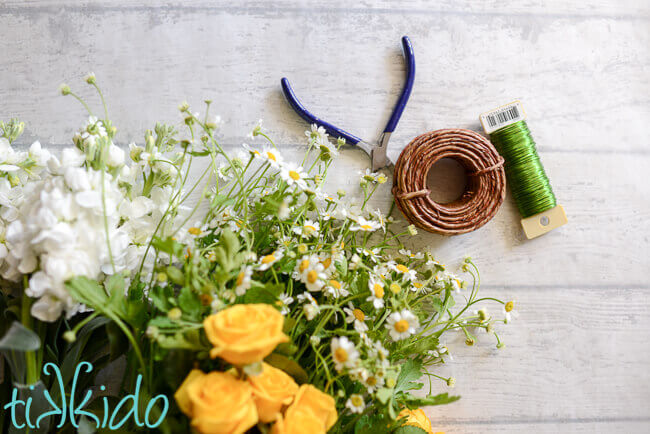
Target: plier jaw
{"x": 376, "y": 151}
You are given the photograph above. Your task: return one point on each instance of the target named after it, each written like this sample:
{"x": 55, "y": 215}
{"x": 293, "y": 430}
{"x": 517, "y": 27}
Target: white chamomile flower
{"x": 455, "y": 282}
{"x": 284, "y": 301}
{"x": 335, "y": 289}
{"x": 308, "y": 229}
{"x": 381, "y": 219}
{"x": 254, "y": 152}
{"x": 256, "y": 131}
{"x": 372, "y": 254}
{"x": 402, "y": 324}
{"x": 310, "y": 271}
{"x": 243, "y": 281}
{"x": 365, "y": 225}
{"x": 355, "y": 403}
{"x": 270, "y": 259}
{"x": 327, "y": 148}
{"x": 509, "y": 312}
{"x": 272, "y": 156}
{"x": 344, "y": 353}
{"x": 408, "y": 254}
{"x": 405, "y": 271}
{"x": 376, "y": 287}
{"x": 317, "y": 134}
{"x": 369, "y": 176}
{"x": 294, "y": 175}
{"x": 371, "y": 381}
{"x": 357, "y": 317}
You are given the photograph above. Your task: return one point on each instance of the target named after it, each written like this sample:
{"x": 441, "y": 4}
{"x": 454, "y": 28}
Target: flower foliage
{"x": 307, "y": 307}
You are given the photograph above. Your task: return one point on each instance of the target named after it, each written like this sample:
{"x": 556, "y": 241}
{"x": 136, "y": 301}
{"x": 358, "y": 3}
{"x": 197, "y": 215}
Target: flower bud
{"x": 174, "y": 314}
{"x": 469, "y": 341}
{"x": 412, "y": 230}
{"x": 65, "y": 89}
{"x": 70, "y": 336}
{"x": 90, "y": 78}
{"x": 451, "y": 381}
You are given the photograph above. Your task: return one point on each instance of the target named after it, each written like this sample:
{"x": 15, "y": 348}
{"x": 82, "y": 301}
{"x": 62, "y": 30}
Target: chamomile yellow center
{"x": 194, "y": 231}
{"x": 509, "y": 306}
{"x": 335, "y": 284}
{"x": 294, "y": 175}
{"x": 356, "y": 400}
{"x": 378, "y": 290}
{"x": 240, "y": 278}
{"x": 402, "y": 268}
{"x": 271, "y": 156}
{"x": 341, "y": 355}
{"x": 366, "y": 227}
{"x": 358, "y": 314}
{"x": 401, "y": 326}
{"x": 304, "y": 264}
{"x": 268, "y": 259}
{"x": 327, "y": 262}
{"x": 395, "y": 288}
{"x": 310, "y": 228}
{"x": 371, "y": 381}
{"x": 312, "y": 276}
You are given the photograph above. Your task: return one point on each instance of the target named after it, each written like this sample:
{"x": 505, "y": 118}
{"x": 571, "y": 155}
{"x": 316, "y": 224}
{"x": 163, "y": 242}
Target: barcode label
{"x": 502, "y": 116}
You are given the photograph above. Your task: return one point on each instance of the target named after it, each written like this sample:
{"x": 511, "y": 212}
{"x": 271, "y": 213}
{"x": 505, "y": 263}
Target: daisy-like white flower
{"x": 408, "y": 254}
{"x": 371, "y": 381}
{"x": 243, "y": 281}
{"x": 254, "y": 152}
{"x": 372, "y": 254}
{"x": 270, "y": 259}
{"x": 376, "y": 287}
{"x": 380, "y": 219}
{"x": 317, "y": 134}
{"x": 405, "y": 271}
{"x": 417, "y": 286}
{"x": 272, "y": 156}
{"x": 357, "y": 317}
{"x": 369, "y": 176}
{"x": 310, "y": 305}
{"x": 344, "y": 353}
{"x": 355, "y": 403}
{"x": 284, "y": 301}
{"x": 310, "y": 271}
{"x": 294, "y": 175}
{"x": 455, "y": 282}
{"x": 336, "y": 289}
{"x": 402, "y": 324}
{"x": 328, "y": 149}
{"x": 308, "y": 229}
{"x": 509, "y": 312}
{"x": 364, "y": 225}
{"x": 256, "y": 131}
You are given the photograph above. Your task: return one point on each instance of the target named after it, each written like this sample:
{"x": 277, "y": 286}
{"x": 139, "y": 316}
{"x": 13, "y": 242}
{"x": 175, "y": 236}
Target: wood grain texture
{"x": 576, "y": 359}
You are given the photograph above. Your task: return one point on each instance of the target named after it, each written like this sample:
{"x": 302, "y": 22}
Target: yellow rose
{"x": 217, "y": 403}
{"x": 417, "y": 418}
{"x": 272, "y": 389}
{"x": 245, "y": 333}
{"x": 312, "y": 411}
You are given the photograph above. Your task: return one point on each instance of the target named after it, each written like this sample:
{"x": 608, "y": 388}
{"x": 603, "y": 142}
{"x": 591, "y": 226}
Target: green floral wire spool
{"x": 529, "y": 184}
{"x": 525, "y": 173}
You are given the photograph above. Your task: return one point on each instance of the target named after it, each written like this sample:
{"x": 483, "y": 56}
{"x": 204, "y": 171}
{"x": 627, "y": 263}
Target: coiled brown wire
{"x": 486, "y": 187}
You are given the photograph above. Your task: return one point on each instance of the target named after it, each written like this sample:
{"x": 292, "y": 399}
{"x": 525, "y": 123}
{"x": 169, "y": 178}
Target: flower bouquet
{"x": 266, "y": 305}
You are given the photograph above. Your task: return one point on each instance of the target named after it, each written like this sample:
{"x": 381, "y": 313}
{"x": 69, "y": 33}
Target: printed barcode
{"x": 502, "y": 117}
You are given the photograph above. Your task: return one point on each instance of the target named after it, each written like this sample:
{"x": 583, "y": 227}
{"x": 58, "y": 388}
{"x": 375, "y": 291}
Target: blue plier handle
{"x": 376, "y": 151}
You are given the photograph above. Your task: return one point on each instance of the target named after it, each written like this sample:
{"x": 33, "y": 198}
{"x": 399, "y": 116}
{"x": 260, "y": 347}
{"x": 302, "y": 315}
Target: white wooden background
{"x": 577, "y": 359}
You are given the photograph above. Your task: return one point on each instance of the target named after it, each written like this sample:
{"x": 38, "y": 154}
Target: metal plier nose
{"x": 376, "y": 150}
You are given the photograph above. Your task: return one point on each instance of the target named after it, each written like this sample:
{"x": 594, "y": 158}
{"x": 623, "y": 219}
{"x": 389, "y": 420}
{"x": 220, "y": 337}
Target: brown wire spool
{"x": 482, "y": 198}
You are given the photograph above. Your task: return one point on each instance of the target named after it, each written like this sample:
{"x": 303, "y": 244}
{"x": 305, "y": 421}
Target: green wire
{"x": 528, "y": 181}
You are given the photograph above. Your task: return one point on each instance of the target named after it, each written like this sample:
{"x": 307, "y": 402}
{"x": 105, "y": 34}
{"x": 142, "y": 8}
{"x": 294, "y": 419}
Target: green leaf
{"x": 175, "y": 275}
{"x": 289, "y": 366}
{"x": 372, "y": 424}
{"x": 259, "y": 295}
{"x": 423, "y": 344}
{"x": 168, "y": 245}
{"x": 88, "y": 292}
{"x": 220, "y": 200}
{"x": 408, "y": 429}
{"x": 19, "y": 338}
{"x": 384, "y": 394}
{"x": 160, "y": 297}
{"x": 411, "y": 372}
{"x": 416, "y": 402}
{"x": 189, "y": 303}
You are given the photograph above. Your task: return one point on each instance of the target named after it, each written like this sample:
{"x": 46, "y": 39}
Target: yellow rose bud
{"x": 201, "y": 398}
{"x": 245, "y": 333}
{"x": 272, "y": 389}
{"x": 299, "y": 422}
{"x": 416, "y": 418}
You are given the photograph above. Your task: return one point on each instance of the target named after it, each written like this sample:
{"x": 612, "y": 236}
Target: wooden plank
{"x": 622, "y": 9}
{"x": 575, "y": 356}
{"x": 571, "y": 73}
{"x": 551, "y": 427}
